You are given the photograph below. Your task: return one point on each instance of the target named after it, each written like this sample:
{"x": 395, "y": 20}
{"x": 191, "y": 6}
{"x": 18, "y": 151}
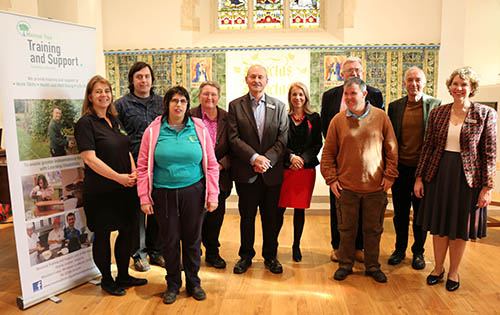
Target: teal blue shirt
{"x": 178, "y": 157}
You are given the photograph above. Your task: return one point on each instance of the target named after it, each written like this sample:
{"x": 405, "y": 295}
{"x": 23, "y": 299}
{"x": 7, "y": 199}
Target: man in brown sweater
{"x": 359, "y": 163}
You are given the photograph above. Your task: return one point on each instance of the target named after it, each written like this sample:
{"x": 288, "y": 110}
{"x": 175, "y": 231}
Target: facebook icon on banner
{"x": 37, "y": 286}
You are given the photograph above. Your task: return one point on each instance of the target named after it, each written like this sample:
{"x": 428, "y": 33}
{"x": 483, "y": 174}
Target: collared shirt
{"x": 71, "y": 232}
{"x": 110, "y": 144}
{"x": 177, "y": 157}
{"x": 352, "y": 115}
{"x": 136, "y": 114}
{"x": 211, "y": 125}
{"x": 259, "y": 112}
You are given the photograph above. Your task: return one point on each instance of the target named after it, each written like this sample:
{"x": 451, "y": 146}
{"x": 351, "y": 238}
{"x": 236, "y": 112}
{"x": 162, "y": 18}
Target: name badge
{"x": 271, "y": 106}
{"x": 471, "y": 121}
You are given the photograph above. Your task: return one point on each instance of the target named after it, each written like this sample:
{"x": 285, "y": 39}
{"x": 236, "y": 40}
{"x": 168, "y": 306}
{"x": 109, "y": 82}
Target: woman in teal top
{"x": 177, "y": 178}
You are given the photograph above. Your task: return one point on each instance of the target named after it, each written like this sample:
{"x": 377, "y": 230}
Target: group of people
{"x": 159, "y": 172}
{"x": 58, "y": 238}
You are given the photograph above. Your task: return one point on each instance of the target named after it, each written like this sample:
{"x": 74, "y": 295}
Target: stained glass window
{"x": 236, "y": 14}
{"x": 233, "y": 14}
{"x": 268, "y": 13}
{"x": 304, "y": 13}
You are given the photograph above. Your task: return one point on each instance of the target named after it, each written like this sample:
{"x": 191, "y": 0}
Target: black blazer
{"x": 330, "y": 103}
{"x": 221, "y": 147}
{"x": 313, "y": 141}
{"x": 396, "y": 112}
{"x": 244, "y": 139}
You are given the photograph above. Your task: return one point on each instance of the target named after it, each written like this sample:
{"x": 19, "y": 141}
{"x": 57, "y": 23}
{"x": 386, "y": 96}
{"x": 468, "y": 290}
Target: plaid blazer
{"x": 478, "y": 144}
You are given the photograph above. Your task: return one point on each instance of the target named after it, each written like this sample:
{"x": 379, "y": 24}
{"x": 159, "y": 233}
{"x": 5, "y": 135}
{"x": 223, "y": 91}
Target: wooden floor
{"x": 307, "y": 287}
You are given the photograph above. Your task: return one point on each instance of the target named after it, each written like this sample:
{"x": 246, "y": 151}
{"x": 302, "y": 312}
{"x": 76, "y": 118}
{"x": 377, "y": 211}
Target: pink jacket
{"x": 145, "y": 161}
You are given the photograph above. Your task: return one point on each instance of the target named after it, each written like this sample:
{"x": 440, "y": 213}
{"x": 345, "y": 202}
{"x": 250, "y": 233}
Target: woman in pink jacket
{"x": 177, "y": 178}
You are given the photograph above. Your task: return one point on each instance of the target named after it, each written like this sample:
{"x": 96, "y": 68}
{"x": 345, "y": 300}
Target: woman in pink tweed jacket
{"x": 455, "y": 174}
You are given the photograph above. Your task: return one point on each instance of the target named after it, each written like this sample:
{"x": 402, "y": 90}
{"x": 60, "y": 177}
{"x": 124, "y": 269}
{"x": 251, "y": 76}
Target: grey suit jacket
{"x": 244, "y": 139}
{"x": 396, "y": 112}
{"x": 221, "y": 147}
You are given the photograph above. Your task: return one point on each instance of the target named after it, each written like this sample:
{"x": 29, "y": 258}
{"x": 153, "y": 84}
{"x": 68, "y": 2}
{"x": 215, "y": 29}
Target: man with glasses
{"x": 333, "y": 103}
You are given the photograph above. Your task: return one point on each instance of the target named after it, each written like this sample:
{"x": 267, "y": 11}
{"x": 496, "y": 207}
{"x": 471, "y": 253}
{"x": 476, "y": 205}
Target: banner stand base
{"x": 55, "y": 299}
{"x": 95, "y": 282}
{"x": 20, "y": 302}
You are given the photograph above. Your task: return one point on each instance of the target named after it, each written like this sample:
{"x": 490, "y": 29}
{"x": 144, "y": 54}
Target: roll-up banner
{"x": 45, "y": 66}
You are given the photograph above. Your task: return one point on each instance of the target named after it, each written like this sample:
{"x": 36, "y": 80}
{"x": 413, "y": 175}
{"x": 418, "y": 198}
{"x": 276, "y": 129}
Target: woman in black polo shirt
{"x": 109, "y": 193}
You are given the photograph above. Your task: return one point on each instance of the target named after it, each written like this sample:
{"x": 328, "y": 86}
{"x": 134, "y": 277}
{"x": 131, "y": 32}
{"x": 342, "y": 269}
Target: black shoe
{"x": 341, "y": 274}
{"x": 397, "y": 257}
{"x": 112, "y": 288}
{"x": 197, "y": 293}
{"x": 418, "y": 262}
{"x": 242, "y": 266}
{"x": 452, "y": 285}
{"x": 273, "y": 265}
{"x": 216, "y": 261}
{"x": 378, "y": 275}
{"x": 432, "y": 279}
{"x": 157, "y": 260}
{"x": 130, "y": 282}
{"x": 296, "y": 254}
{"x": 170, "y": 296}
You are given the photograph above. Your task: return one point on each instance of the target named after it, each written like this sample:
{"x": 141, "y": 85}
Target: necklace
{"x": 298, "y": 119}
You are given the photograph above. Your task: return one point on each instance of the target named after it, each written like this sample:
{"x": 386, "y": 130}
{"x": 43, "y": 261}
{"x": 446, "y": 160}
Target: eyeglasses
{"x": 357, "y": 70}
{"x": 183, "y": 101}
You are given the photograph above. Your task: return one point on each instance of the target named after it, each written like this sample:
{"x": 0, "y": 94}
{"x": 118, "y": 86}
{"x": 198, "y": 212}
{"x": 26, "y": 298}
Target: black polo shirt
{"x": 110, "y": 144}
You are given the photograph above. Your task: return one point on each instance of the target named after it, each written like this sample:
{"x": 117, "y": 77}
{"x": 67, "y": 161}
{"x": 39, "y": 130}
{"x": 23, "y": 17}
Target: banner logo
{"x": 37, "y": 286}
{"x": 23, "y": 28}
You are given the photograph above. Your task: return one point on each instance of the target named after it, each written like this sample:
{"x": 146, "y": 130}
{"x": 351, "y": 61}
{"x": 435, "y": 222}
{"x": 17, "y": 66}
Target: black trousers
{"x": 251, "y": 196}
{"x": 179, "y": 213}
{"x": 403, "y": 199}
{"x": 146, "y": 239}
{"x": 334, "y": 226}
{"x": 212, "y": 224}
{"x": 101, "y": 253}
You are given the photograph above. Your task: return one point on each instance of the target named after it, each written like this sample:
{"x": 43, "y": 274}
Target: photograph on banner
{"x": 201, "y": 70}
{"x": 332, "y": 67}
{"x": 283, "y": 68}
{"x": 52, "y": 237}
{"x": 45, "y": 127}
{"x": 47, "y": 193}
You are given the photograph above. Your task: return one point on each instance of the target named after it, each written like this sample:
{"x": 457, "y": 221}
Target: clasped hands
{"x": 128, "y": 180}
{"x": 261, "y": 164}
{"x": 297, "y": 162}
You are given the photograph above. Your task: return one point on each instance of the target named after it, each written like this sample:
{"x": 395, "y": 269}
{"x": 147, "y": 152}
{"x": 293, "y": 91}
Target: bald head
{"x": 414, "y": 83}
{"x": 256, "y": 80}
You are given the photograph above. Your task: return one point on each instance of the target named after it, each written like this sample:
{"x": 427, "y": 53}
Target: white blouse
{"x": 453, "y": 139}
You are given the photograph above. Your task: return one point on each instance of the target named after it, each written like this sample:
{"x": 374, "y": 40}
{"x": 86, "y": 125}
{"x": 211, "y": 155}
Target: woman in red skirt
{"x": 304, "y": 143}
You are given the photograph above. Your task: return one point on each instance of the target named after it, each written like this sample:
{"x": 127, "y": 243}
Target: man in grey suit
{"x": 258, "y": 131}
{"x": 409, "y": 117}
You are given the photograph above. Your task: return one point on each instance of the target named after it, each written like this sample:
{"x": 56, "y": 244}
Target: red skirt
{"x": 297, "y": 188}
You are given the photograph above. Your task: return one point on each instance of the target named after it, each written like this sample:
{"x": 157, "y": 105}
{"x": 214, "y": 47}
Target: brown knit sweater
{"x": 360, "y": 152}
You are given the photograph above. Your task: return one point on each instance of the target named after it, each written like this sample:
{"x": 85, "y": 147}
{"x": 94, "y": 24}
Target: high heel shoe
{"x": 296, "y": 254}
{"x": 452, "y": 285}
{"x": 432, "y": 279}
